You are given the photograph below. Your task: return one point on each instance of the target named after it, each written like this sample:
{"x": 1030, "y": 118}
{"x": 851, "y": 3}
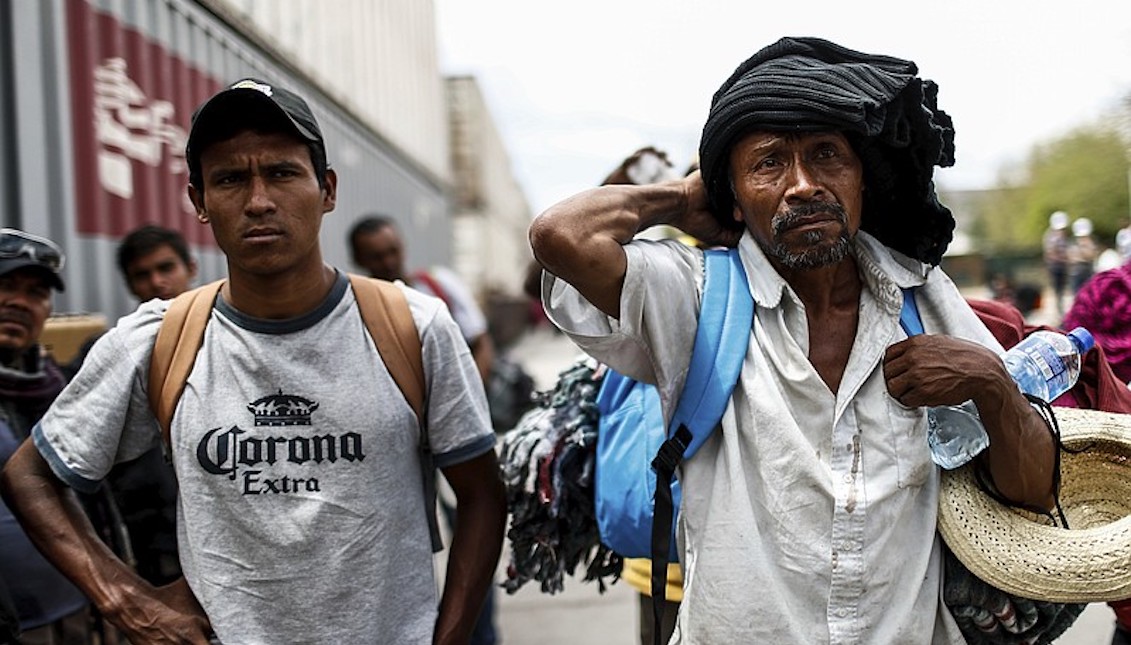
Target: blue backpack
{"x": 636, "y": 458}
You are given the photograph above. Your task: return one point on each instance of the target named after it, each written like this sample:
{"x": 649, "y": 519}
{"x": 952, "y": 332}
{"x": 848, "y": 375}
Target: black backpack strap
{"x": 667, "y": 460}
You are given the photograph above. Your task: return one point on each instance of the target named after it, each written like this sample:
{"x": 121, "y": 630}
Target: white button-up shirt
{"x": 810, "y": 518}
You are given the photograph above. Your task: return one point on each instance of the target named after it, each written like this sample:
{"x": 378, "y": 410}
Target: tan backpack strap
{"x": 388, "y": 318}
{"x": 385, "y": 311}
{"x": 174, "y": 353}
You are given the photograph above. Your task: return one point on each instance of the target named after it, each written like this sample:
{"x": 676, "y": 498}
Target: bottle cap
{"x": 1083, "y": 339}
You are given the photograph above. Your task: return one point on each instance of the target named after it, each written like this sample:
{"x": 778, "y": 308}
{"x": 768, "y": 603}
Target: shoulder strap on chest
{"x": 384, "y": 309}
{"x": 909, "y": 315}
{"x": 174, "y": 352}
{"x": 726, "y": 315}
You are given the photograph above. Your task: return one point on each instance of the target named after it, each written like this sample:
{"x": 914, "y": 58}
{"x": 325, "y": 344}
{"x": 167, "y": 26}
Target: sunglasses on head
{"x": 15, "y": 243}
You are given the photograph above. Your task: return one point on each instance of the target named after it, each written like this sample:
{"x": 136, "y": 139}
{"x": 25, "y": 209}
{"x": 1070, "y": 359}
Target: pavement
{"x": 580, "y": 614}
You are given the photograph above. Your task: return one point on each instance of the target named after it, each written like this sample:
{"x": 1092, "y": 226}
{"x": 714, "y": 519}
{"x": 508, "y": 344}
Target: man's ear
{"x": 197, "y": 199}
{"x": 736, "y": 213}
{"x": 329, "y": 191}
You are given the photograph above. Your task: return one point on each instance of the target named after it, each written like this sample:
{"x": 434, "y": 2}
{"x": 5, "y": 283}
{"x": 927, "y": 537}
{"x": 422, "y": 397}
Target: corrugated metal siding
{"x": 490, "y": 212}
{"x": 378, "y": 57}
{"x": 105, "y": 92}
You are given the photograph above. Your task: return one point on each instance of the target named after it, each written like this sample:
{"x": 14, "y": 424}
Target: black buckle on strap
{"x": 671, "y": 451}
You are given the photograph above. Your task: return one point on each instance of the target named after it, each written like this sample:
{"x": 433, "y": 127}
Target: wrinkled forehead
{"x": 765, "y": 137}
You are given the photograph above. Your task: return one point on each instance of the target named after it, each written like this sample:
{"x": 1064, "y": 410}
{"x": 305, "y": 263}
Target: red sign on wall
{"x": 131, "y": 101}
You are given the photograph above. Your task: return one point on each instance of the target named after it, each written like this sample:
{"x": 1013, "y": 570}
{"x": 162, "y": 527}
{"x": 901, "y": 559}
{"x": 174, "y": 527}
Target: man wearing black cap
{"x": 810, "y": 518}
{"x": 46, "y": 605}
{"x": 301, "y": 514}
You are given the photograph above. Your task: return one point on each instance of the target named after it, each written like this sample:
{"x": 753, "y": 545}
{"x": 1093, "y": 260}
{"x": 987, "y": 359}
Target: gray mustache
{"x": 793, "y": 216}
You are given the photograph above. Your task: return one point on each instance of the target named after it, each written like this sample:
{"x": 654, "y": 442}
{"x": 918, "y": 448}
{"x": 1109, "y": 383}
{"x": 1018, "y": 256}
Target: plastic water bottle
{"x": 1044, "y": 364}
{"x": 955, "y": 434}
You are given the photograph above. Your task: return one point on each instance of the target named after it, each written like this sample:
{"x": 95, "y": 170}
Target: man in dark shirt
{"x": 48, "y": 608}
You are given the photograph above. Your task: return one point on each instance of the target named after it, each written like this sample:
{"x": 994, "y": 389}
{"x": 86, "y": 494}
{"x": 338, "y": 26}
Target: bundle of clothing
{"x": 989, "y": 616}
{"x": 890, "y": 115}
{"x": 547, "y": 462}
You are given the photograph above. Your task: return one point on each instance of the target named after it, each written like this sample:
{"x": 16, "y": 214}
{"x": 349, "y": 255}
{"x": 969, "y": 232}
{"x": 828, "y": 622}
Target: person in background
{"x": 1103, "y": 307}
{"x": 1055, "y": 244}
{"x": 155, "y": 263}
{"x": 49, "y": 610}
{"x": 1123, "y": 242}
{"x": 377, "y": 247}
{"x": 811, "y": 516}
{"x": 326, "y": 541}
{"x": 1082, "y": 254}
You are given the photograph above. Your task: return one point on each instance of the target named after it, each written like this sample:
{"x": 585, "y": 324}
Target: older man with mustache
{"x": 810, "y": 518}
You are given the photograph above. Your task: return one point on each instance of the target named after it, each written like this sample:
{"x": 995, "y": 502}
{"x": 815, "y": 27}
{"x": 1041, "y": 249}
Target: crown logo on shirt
{"x": 282, "y": 410}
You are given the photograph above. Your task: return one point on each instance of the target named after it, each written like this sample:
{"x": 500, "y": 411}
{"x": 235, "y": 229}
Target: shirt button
{"x": 842, "y": 612}
{"x": 847, "y": 478}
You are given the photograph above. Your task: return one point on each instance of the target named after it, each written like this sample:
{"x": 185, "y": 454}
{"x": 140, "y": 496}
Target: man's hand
{"x": 168, "y": 614}
{"x": 581, "y": 238}
{"x": 56, "y": 523}
{"x": 697, "y": 220}
{"x": 477, "y": 539}
{"x": 930, "y": 370}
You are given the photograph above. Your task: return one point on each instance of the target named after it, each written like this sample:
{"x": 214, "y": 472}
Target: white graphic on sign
{"x": 129, "y": 127}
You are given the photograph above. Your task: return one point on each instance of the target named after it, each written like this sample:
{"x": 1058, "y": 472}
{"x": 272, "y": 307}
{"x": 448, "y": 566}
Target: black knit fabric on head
{"x": 889, "y": 115}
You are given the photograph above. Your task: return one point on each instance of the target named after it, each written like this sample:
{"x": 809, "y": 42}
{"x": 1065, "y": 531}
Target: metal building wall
{"x": 100, "y": 103}
{"x": 377, "y": 57}
{"x": 490, "y": 212}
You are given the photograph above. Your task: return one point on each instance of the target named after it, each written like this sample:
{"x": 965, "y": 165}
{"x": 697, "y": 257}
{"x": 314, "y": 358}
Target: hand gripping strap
{"x": 174, "y": 352}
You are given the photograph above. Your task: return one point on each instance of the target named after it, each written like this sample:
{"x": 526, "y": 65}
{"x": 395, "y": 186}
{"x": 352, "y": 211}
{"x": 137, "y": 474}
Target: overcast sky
{"x": 574, "y": 87}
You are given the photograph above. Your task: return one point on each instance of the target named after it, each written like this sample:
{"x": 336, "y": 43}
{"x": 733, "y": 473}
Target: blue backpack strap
{"x": 721, "y": 338}
{"x": 909, "y": 315}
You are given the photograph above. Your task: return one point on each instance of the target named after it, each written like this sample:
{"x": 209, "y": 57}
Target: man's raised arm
{"x": 580, "y": 239}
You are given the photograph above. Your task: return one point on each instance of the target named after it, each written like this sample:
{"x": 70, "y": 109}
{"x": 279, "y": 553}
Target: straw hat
{"x": 1022, "y": 553}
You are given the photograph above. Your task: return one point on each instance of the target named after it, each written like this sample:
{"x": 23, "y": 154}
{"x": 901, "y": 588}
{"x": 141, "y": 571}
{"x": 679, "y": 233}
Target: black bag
{"x": 510, "y": 393}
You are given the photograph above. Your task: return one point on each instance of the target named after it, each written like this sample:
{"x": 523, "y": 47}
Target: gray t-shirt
{"x": 301, "y": 514}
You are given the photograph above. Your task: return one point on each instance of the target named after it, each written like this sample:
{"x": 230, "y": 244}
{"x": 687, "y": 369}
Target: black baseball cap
{"x": 243, "y": 100}
{"x": 20, "y": 250}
